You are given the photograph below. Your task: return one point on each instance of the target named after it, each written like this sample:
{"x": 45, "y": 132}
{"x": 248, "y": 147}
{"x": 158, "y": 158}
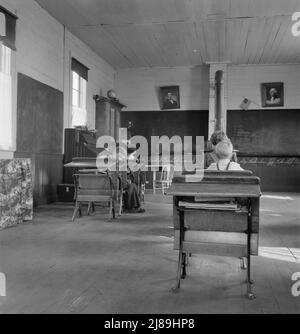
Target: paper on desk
{"x": 209, "y": 206}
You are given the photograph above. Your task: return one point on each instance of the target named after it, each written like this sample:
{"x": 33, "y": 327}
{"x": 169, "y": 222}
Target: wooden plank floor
{"x": 128, "y": 266}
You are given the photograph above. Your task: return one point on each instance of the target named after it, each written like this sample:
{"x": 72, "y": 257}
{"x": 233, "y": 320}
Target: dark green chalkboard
{"x": 39, "y": 117}
{"x": 169, "y": 123}
{"x": 266, "y": 132}
{"x": 40, "y": 135}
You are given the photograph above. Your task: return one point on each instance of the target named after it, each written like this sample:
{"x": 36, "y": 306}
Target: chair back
{"x": 167, "y": 173}
{"x": 93, "y": 184}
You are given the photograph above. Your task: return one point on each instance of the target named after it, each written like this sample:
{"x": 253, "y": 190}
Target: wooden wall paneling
{"x": 275, "y": 177}
{"x": 48, "y": 175}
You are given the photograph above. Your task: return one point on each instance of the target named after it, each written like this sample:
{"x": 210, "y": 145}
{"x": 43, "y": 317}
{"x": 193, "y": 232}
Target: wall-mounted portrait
{"x": 170, "y": 98}
{"x": 272, "y": 94}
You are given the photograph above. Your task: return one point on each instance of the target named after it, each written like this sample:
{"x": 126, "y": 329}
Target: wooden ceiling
{"x": 169, "y": 33}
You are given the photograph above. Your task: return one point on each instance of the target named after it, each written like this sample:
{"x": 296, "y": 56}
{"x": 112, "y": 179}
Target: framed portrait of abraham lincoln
{"x": 169, "y": 97}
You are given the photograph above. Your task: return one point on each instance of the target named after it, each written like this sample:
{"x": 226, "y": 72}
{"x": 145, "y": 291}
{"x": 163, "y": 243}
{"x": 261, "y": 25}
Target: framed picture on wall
{"x": 272, "y": 94}
{"x": 170, "y": 98}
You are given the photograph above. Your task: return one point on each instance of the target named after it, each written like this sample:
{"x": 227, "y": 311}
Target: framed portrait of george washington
{"x": 272, "y": 94}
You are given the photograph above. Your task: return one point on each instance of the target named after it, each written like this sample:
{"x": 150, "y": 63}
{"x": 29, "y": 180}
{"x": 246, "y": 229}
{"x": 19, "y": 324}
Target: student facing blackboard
{"x": 224, "y": 153}
{"x": 210, "y": 154}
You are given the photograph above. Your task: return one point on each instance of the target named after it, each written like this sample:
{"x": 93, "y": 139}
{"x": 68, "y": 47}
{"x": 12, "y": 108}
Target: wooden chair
{"x": 117, "y": 186}
{"x": 165, "y": 179}
{"x": 93, "y": 188}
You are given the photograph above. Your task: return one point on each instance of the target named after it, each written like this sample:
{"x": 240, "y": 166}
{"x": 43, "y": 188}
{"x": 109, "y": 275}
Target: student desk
{"x": 218, "y": 215}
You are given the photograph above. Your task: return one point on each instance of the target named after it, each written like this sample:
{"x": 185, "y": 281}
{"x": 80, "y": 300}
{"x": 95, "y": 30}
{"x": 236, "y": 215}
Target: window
{"x": 79, "y": 91}
{"x": 78, "y": 100}
{"x": 5, "y": 98}
{"x": 79, "y": 83}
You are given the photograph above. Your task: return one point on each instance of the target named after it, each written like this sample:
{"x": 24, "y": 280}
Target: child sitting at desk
{"x": 210, "y": 154}
{"x": 224, "y": 152}
{"x": 132, "y": 200}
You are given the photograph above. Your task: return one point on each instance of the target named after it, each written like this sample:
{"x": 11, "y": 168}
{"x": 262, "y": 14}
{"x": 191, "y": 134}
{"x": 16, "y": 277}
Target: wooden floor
{"x": 128, "y": 266}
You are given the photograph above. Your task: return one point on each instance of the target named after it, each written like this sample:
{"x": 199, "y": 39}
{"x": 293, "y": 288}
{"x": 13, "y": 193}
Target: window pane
{"x": 82, "y": 93}
{"x": 5, "y": 112}
{"x": 5, "y": 60}
{"x": 5, "y": 98}
{"x": 76, "y": 81}
{"x": 78, "y": 117}
{"x": 2, "y": 25}
{"x": 75, "y": 98}
{"x": 78, "y": 100}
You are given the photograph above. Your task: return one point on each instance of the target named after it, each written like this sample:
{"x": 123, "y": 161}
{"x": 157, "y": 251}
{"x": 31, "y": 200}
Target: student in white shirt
{"x": 224, "y": 152}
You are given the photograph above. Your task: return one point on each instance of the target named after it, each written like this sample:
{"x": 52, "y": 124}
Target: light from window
{"x": 78, "y": 100}
{"x": 5, "y": 99}
{"x": 2, "y": 25}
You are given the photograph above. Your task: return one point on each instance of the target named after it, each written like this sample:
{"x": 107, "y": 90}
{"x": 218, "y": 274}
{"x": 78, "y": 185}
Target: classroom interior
{"x": 73, "y": 71}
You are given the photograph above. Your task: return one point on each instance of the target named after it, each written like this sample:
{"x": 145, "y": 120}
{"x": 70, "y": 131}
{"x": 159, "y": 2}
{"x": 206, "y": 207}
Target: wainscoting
{"x": 47, "y": 173}
{"x": 276, "y": 174}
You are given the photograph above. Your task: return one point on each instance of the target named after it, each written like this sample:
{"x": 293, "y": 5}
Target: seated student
{"x": 224, "y": 152}
{"x": 211, "y": 157}
{"x": 215, "y": 138}
{"x": 132, "y": 201}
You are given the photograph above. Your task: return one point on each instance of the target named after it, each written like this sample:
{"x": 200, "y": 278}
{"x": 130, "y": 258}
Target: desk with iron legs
{"x": 216, "y": 231}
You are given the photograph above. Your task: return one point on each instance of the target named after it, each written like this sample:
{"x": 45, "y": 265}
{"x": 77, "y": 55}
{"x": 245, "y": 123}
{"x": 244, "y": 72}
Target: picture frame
{"x": 272, "y": 94}
{"x": 170, "y": 97}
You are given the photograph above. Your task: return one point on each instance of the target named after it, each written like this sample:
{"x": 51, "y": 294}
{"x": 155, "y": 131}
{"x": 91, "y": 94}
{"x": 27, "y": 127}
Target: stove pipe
{"x": 219, "y": 100}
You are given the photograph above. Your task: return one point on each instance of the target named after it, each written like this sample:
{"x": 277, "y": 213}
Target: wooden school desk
{"x": 218, "y": 215}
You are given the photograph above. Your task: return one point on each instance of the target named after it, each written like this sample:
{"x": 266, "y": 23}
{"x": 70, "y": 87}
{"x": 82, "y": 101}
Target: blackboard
{"x": 39, "y": 117}
{"x": 167, "y": 123}
{"x": 266, "y": 132}
{"x": 40, "y": 135}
